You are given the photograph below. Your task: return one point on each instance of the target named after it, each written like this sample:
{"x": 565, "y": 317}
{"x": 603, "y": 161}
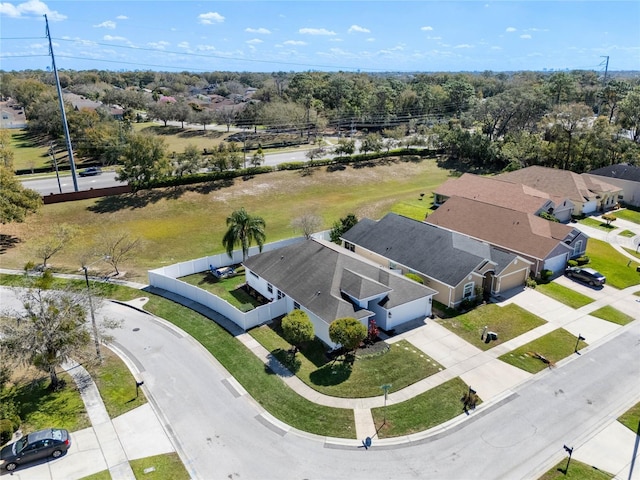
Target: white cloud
{"x": 316, "y": 31}
{"x": 358, "y": 29}
{"x": 496, "y": 48}
{"x": 426, "y": 29}
{"x": 260, "y": 30}
{"x": 107, "y": 24}
{"x": 254, "y": 41}
{"x": 294, "y": 42}
{"x": 111, "y": 38}
{"x": 161, "y": 45}
{"x": 371, "y": 39}
{"x": 31, "y": 8}
{"x": 122, "y": 17}
{"x": 434, "y": 38}
{"x": 183, "y": 45}
{"x": 526, "y": 37}
{"x": 210, "y": 18}
{"x": 510, "y": 29}
{"x": 205, "y": 48}
{"x": 463, "y": 45}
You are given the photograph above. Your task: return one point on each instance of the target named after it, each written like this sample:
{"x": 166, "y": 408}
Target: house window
{"x": 269, "y": 288}
{"x": 393, "y": 266}
{"x": 350, "y": 246}
{"x": 577, "y": 249}
{"x": 296, "y": 305}
{"x": 280, "y": 295}
{"x": 468, "y": 290}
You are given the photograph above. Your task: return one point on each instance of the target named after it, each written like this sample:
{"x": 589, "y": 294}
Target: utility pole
{"x": 52, "y": 153}
{"x": 606, "y": 69}
{"x": 64, "y": 115}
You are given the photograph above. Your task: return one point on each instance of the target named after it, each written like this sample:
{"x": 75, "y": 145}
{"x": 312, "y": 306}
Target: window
{"x": 296, "y": 305}
{"x": 350, "y": 246}
{"x": 269, "y": 288}
{"x": 280, "y": 295}
{"x": 577, "y": 249}
{"x": 468, "y": 290}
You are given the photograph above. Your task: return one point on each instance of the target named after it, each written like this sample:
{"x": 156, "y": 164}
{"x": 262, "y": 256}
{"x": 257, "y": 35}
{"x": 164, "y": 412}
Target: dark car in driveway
{"x": 586, "y": 275}
{"x": 51, "y": 442}
{"x": 90, "y": 172}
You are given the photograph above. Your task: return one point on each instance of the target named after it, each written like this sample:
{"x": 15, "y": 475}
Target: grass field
{"x": 631, "y": 418}
{"x": 630, "y": 214}
{"x": 28, "y": 152}
{"x": 577, "y": 471}
{"x": 554, "y": 346}
{"x": 508, "y": 322}
{"x": 182, "y": 223}
{"x": 619, "y": 270}
{"x": 564, "y": 295}
{"x": 612, "y": 314}
{"x": 595, "y": 222}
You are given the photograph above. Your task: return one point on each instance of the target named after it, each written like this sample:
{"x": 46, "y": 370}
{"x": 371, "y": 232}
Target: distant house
{"x": 588, "y": 194}
{"x": 547, "y": 245}
{"x": 456, "y": 266}
{"x": 504, "y": 194}
{"x": 328, "y": 282}
{"x": 626, "y": 177}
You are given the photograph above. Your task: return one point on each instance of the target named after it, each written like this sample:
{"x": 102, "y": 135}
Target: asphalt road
{"x": 222, "y": 434}
{"x": 46, "y": 186}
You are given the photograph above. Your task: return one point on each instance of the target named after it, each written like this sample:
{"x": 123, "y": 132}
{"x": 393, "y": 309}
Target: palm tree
{"x": 243, "y": 230}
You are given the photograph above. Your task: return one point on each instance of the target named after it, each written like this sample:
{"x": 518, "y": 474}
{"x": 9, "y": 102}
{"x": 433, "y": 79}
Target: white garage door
{"x": 556, "y": 264}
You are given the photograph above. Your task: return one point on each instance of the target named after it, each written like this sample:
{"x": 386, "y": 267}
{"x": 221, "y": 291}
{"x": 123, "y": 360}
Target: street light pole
{"x": 93, "y": 315}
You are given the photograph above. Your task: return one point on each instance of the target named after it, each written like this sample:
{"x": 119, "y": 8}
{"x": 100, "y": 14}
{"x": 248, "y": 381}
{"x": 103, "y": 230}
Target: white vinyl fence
{"x": 167, "y": 277}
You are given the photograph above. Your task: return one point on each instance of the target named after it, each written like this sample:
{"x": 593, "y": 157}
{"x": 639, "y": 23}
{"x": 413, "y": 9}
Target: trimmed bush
{"x": 414, "y": 277}
{"x": 572, "y": 263}
{"x": 583, "y": 260}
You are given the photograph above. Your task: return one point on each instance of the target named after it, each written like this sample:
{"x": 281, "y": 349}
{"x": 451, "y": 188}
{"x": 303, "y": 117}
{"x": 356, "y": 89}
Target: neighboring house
{"x": 626, "y": 177}
{"x": 504, "y": 194}
{"x": 588, "y": 194}
{"x": 548, "y": 245}
{"x": 82, "y": 103}
{"x": 328, "y": 282}
{"x": 454, "y": 265}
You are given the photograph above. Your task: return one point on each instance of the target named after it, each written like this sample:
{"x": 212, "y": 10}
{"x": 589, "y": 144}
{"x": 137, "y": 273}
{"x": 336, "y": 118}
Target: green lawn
{"x": 226, "y": 288}
{"x": 627, "y": 233}
{"x": 564, "y": 295}
{"x": 612, "y": 314}
{"x": 577, "y": 471}
{"x": 631, "y": 418}
{"x": 508, "y": 322}
{"x": 39, "y": 408}
{"x": 28, "y": 152}
{"x": 595, "y": 222}
{"x": 401, "y": 365}
{"x": 116, "y": 384}
{"x": 630, "y": 214}
{"x": 554, "y": 346}
{"x": 164, "y": 466}
{"x": 620, "y": 272}
{"x": 427, "y": 410}
{"x": 266, "y": 388}
{"x": 103, "y": 475}
{"x": 632, "y": 252}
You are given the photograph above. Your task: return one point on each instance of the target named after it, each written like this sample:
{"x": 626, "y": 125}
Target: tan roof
{"x": 562, "y": 183}
{"x": 496, "y": 192}
{"x": 516, "y": 231}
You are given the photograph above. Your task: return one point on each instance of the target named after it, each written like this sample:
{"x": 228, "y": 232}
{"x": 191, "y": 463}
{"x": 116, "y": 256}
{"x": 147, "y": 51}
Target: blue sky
{"x": 369, "y": 36}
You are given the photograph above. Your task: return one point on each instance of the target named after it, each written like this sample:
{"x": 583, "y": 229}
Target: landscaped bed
{"x": 232, "y": 288}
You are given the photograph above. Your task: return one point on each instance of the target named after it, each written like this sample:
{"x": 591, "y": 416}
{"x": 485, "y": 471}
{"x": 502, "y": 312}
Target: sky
{"x": 329, "y": 35}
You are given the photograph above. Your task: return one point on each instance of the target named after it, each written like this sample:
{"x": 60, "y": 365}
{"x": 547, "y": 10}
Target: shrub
{"x": 6, "y": 431}
{"x": 572, "y": 263}
{"x": 531, "y": 282}
{"x": 583, "y": 260}
{"x": 414, "y": 277}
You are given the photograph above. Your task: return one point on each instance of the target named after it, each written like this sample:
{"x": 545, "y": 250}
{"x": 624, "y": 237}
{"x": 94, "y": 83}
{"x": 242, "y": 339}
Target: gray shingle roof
{"x": 621, "y": 171}
{"x": 438, "y": 253}
{"x": 316, "y": 275}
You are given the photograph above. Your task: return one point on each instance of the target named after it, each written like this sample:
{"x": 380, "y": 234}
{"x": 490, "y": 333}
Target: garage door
{"x": 556, "y": 264}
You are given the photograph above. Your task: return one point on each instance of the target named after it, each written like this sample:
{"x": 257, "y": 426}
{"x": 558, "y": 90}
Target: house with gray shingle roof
{"x": 626, "y": 177}
{"x": 504, "y": 194}
{"x": 457, "y": 266}
{"x": 329, "y": 282}
{"x": 548, "y": 245}
{"x": 588, "y": 194}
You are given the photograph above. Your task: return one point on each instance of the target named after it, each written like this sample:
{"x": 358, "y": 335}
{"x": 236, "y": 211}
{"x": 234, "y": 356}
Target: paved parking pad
{"x": 141, "y": 434}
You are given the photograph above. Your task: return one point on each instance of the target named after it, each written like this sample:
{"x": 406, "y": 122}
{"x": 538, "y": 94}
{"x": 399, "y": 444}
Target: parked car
{"x": 34, "y": 446}
{"x": 90, "y": 172}
{"x": 587, "y": 275}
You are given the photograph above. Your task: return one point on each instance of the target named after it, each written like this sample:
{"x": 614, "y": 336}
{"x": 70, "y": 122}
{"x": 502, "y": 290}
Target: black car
{"x": 587, "y": 275}
{"x": 90, "y": 172}
{"x": 37, "y": 445}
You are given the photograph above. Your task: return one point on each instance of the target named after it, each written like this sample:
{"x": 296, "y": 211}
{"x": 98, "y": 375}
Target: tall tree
{"x": 117, "y": 246}
{"x": 460, "y": 93}
{"x": 341, "y": 226}
{"x": 143, "y": 160}
{"x": 48, "y": 245}
{"x": 629, "y": 113}
{"x": 16, "y": 202}
{"x": 243, "y": 230}
{"x": 307, "y": 224}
